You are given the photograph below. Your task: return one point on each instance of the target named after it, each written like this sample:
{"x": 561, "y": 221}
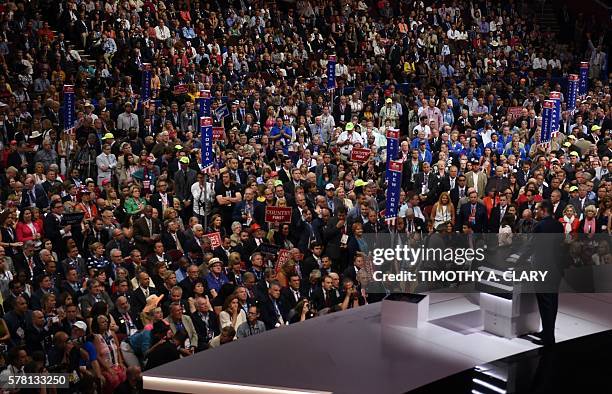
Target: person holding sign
{"x": 348, "y": 138}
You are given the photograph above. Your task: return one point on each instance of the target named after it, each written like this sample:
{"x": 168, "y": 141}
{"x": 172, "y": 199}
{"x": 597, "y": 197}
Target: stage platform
{"x": 351, "y": 352}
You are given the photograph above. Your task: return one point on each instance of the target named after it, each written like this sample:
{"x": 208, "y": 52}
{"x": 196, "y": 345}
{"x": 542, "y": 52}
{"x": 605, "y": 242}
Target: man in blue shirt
{"x": 215, "y": 278}
{"x": 282, "y": 133}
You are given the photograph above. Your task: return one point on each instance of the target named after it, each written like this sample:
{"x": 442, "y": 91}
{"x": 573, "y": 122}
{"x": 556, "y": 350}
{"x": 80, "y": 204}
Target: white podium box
{"x": 510, "y": 312}
{"x": 405, "y": 309}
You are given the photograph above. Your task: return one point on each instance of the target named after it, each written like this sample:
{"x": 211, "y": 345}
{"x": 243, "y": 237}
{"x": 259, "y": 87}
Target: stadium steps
{"x": 547, "y": 18}
{"x": 84, "y": 56}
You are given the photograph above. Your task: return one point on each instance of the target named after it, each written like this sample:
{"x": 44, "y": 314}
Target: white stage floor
{"x": 350, "y": 352}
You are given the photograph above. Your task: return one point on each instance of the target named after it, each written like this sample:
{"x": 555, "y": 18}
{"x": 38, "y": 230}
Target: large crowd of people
{"x": 119, "y": 253}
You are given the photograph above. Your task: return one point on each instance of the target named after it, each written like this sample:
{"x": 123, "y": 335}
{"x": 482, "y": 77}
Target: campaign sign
{"x": 394, "y": 183}
{"x": 547, "y": 117}
{"x": 583, "y": 86}
{"x": 218, "y": 133}
{"x": 281, "y": 259}
{"x": 556, "y": 117}
{"x": 278, "y": 214}
{"x": 206, "y": 131}
{"x": 180, "y": 89}
{"x": 572, "y": 91}
{"x": 145, "y": 91}
{"x": 215, "y": 239}
{"x": 331, "y": 72}
{"x": 360, "y": 154}
{"x": 69, "y": 101}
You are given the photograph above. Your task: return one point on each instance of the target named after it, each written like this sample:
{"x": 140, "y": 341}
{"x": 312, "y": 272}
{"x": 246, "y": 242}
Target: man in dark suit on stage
{"x": 547, "y": 250}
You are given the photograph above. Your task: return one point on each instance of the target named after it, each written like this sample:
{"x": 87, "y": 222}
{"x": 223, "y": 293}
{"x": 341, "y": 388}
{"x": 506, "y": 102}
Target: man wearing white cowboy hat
{"x": 88, "y": 108}
{"x": 216, "y": 277}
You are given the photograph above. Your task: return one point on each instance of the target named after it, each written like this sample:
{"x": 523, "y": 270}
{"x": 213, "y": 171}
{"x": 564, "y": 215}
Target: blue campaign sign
{"x": 392, "y": 144}
{"x": 69, "y": 113}
{"x": 547, "y": 117}
{"x": 145, "y": 91}
{"x": 331, "y": 72}
{"x": 222, "y": 111}
{"x": 584, "y": 79}
{"x": 206, "y": 130}
{"x": 572, "y": 91}
{"x": 556, "y": 117}
{"x": 394, "y": 183}
{"x": 204, "y": 102}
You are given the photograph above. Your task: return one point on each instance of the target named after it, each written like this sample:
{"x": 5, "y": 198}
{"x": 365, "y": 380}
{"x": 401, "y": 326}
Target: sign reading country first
{"x": 278, "y": 214}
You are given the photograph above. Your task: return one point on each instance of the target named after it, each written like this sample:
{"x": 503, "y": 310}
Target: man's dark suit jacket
{"x": 332, "y": 237}
{"x": 318, "y": 299}
{"x": 120, "y": 321}
{"x": 138, "y": 300}
{"x": 202, "y": 328}
{"x": 142, "y": 230}
{"x": 67, "y": 288}
{"x": 288, "y": 297}
{"x": 558, "y": 214}
{"x": 156, "y": 202}
{"x": 407, "y": 184}
{"x": 454, "y": 194}
{"x": 183, "y": 182}
{"x": 259, "y": 212}
{"x": 20, "y": 262}
{"x": 169, "y": 242}
{"x": 41, "y": 199}
{"x": 268, "y": 313}
{"x": 499, "y": 184}
{"x": 52, "y": 226}
{"x": 432, "y": 185}
{"x": 481, "y": 220}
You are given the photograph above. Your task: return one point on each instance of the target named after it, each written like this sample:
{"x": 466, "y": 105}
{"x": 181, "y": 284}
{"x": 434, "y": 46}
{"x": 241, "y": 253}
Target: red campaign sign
{"x": 360, "y": 154}
{"x": 555, "y": 95}
{"x": 393, "y": 133}
{"x": 205, "y": 121}
{"x": 68, "y": 88}
{"x": 278, "y": 214}
{"x": 146, "y": 66}
{"x": 215, "y": 239}
{"x": 395, "y": 166}
{"x": 515, "y": 112}
{"x": 282, "y": 258}
{"x": 548, "y": 104}
{"x": 205, "y": 93}
{"x": 574, "y": 77}
{"x": 181, "y": 89}
{"x": 218, "y": 133}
